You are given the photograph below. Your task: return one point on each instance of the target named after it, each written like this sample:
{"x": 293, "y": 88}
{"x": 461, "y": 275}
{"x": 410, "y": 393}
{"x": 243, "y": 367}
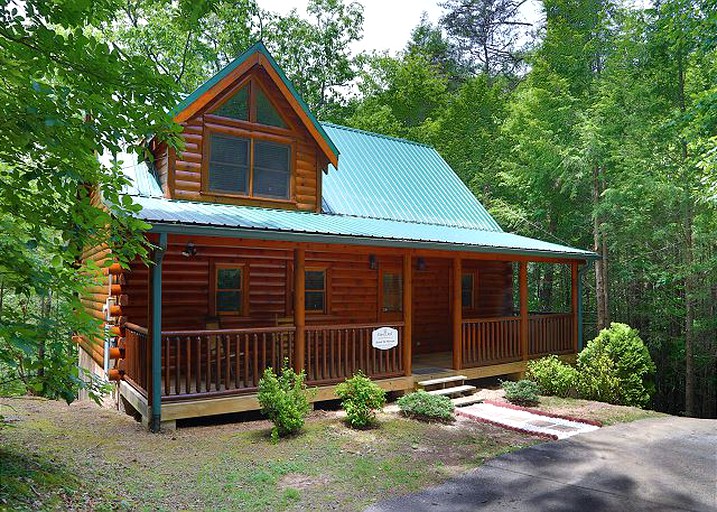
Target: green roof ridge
{"x": 226, "y": 70}
{"x": 379, "y": 135}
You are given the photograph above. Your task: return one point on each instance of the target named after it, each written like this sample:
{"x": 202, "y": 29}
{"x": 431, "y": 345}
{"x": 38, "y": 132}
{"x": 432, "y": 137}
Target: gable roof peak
{"x": 225, "y": 77}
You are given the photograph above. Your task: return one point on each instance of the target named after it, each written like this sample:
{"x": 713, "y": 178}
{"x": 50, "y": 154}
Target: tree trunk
{"x": 600, "y": 247}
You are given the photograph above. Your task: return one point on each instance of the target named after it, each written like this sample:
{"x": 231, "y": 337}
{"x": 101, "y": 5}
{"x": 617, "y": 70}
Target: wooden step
{"x": 442, "y": 381}
{"x": 457, "y": 390}
{"x": 463, "y": 401}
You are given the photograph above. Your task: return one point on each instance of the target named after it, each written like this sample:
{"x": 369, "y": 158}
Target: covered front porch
{"x": 453, "y": 312}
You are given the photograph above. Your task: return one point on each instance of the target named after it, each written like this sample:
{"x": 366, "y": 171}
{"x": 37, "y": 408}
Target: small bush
{"x": 522, "y": 392}
{"x": 360, "y": 398}
{"x": 552, "y": 376}
{"x": 616, "y": 367}
{"x": 424, "y": 406}
{"x": 284, "y": 400}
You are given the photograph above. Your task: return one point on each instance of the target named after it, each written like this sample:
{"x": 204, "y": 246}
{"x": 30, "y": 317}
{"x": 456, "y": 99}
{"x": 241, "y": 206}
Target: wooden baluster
{"x": 188, "y": 377}
{"x": 178, "y": 367}
{"x": 255, "y": 348}
{"x": 166, "y": 360}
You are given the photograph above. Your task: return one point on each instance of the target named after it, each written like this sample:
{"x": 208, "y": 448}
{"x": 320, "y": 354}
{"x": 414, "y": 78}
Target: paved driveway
{"x": 650, "y": 465}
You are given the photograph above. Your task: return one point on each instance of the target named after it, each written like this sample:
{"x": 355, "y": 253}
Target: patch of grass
{"x": 607, "y": 414}
{"x": 329, "y": 466}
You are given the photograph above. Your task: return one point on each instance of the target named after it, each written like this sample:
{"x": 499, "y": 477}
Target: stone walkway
{"x": 525, "y": 421}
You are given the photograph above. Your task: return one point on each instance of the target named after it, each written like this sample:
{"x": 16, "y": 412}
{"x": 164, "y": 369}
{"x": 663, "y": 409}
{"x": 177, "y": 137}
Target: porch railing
{"x": 496, "y": 340}
{"x": 136, "y": 356}
{"x": 221, "y": 361}
{"x": 334, "y": 352}
{"x": 550, "y": 334}
{"x": 491, "y": 340}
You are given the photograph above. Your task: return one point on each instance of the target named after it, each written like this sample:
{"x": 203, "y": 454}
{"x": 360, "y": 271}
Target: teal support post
{"x": 157, "y": 333}
{"x": 581, "y": 274}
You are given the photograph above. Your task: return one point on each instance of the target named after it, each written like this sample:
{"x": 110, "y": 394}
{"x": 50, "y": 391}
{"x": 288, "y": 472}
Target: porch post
{"x": 574, "y": 305}
{"x": 457, "y": 315}
{"x": 523, "y": 278}
{"x": 407, "y": 314}
{"x": 156, "y": 332}
{"x": 299, "y": 308}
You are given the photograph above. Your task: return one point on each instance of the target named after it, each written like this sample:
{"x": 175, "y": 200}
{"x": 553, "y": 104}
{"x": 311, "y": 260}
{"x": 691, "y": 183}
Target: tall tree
{"x": 66, "y": 97}
{"x": 487, "y": 33}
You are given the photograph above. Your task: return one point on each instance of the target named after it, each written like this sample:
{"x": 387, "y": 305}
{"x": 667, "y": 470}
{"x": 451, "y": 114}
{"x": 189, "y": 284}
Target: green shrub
{"x": 360, "y": 398}
{"x": 552, "y": 376}
{"x": 284, "y": 400}
{"x": 522, "y": 392}
{"x": 424, "y": 406}
{"x": 616, "y": 367}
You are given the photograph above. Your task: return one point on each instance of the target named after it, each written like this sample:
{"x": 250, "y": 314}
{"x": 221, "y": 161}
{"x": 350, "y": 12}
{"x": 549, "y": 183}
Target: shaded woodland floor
{"x": 79, "y": 457}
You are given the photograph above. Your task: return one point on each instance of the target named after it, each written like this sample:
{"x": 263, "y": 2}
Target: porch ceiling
{"x": 213, "y": 219}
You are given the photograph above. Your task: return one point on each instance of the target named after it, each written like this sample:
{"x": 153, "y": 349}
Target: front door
{"x": 391, "y": 294}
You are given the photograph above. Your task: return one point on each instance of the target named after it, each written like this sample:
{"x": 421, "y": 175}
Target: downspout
{"x": 581, "y": 274}
{"x": 157, "y": 333}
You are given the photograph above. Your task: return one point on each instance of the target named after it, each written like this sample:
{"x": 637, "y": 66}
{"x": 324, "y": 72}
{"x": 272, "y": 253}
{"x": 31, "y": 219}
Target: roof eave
{"x": 295, "y": 236}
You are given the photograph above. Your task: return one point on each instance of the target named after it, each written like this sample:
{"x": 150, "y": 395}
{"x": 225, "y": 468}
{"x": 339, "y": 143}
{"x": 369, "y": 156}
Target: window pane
{"x": 392, "y": 292}
{"x": 229, "y": 302}
{"x": 236, "y": 107}
{"x": 315, "y": 301}
{"x": 271, "y": 169}
{"x": 467, "y": 290}
{"x": 228, "y": 164}
{"x": 229, "y": 279}
{"x": 265, "y": 111}
{"x": 314, "y": 280}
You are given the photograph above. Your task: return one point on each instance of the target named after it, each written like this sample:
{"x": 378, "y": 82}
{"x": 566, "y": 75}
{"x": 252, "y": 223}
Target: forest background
{"x": 595, "y": 127}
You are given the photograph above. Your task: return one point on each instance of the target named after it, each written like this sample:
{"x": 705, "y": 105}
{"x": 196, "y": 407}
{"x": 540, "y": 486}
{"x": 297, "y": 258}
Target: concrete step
{"x": 463, "y": 401}
{"x": 457, "y": 390}
{"x": 442, "y": 381}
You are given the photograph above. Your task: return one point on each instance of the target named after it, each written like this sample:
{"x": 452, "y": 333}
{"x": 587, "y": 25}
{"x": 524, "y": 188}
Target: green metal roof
{"x": 214, "y": 219}
{"x": 257, "y": 47}
{"x": 383, "y": 177}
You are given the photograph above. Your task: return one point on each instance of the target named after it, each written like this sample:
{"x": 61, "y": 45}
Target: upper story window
{"x": 249, "y": 167}
{"x": 240, "y": 161}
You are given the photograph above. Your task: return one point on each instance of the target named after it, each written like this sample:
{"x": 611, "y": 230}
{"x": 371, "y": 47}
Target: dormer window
{"x": 241, "y": 159}
{"x": 249, "y": 167}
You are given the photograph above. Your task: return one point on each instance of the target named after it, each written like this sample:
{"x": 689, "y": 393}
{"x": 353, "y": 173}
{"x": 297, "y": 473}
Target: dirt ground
{"x": 80, "y": 457}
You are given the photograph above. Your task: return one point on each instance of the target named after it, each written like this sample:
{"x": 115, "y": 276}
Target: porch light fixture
{"x": 420, "y": 264}
{"x": 372, "y": 262}
{"x": 189, "y": 250}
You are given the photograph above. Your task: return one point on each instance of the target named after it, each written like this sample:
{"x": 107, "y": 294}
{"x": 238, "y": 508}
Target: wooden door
{"x": 390, "y": 302}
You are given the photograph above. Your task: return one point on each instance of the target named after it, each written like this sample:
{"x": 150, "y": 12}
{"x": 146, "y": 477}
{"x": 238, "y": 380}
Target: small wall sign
{"x": 384, "y": 338}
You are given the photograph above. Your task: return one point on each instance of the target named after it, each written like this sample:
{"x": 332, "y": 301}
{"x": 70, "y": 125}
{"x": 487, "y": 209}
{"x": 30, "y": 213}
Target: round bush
{"x": 522, "y": 392}
{"x": 423, "y": 406}
{"x": 360, "y": 398}
{"x": 552, "y": 376}
{"x": 616, "y": 367}
{"x": 284, "y": 399}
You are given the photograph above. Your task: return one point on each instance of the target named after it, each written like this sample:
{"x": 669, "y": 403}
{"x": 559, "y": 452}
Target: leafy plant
{"x": 522, "y": 392}
{"x": 360, "y": 398}
{"x": 616, "y": 367}
{"x": 553, "y": 376}
{"x": 423, "y": 406}
{"x": 284, "y": 399}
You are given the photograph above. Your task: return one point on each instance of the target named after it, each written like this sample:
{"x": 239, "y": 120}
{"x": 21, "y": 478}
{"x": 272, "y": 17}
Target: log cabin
{"x": 277, "y": 237}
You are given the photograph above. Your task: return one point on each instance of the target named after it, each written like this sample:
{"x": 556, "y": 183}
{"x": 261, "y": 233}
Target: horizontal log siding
{"x": 94, "y": 299}
{"x": 186, "y": 166}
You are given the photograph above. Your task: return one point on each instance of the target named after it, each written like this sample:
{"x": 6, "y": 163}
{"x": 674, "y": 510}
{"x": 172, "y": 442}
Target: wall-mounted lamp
{"x": 420, "y": 264}
{"x": 189, "y": 250}
{"x": 372, "y": 262}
